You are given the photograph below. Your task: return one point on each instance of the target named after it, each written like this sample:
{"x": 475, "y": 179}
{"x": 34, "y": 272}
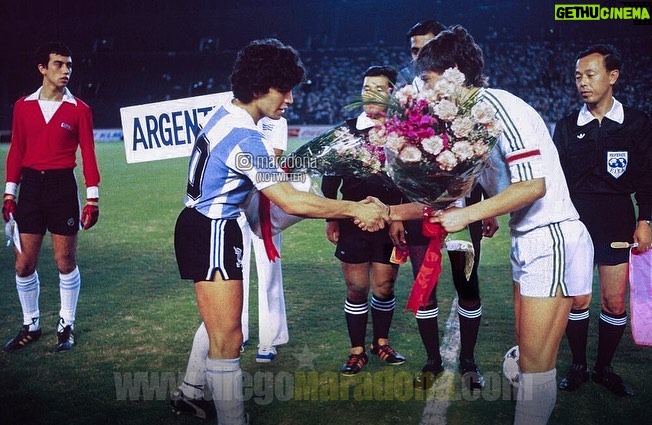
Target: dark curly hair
{"x": 450, "y": 48}
{"x": 42, "y": 54}
{"x": 265, "y": 64}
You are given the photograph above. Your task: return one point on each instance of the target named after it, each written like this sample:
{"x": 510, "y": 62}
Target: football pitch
{"x": 136, "y": 320}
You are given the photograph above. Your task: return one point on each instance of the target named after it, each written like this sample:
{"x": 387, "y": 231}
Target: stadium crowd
{"x": 536, "y": 71}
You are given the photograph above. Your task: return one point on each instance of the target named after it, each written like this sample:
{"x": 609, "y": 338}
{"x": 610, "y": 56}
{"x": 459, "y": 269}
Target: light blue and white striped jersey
{"x": 525, "y": 151}
{"x": 230, "y": 158}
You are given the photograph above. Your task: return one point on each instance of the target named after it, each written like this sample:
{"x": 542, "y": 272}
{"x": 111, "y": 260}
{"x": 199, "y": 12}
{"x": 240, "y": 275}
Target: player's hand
{"x": 371, "y": 214}
{"x": 452, "y": 219}
{"x": 90, "y": 213}
{"x": 489, "y": 227}
{"x": 333, "y": 231}
{"x": 8, "y": 207}
{"x": 397, "y": 234}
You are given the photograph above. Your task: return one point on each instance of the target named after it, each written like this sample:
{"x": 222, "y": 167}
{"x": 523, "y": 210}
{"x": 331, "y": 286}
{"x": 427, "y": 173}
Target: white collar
{"x": 616, "y": 113}
{"x": 67, "y": 95}
{"x": 238, "y": 111}
{"x": 364, "y": 122}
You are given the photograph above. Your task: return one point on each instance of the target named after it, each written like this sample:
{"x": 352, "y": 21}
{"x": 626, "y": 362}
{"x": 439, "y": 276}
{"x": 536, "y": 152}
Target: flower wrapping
{"x": 338, "y": 152}
{"x": 437, "y": 142}
{"x": 640, "y": 296}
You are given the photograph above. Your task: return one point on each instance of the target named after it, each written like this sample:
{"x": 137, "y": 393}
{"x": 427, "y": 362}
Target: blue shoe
{"x": 265, "y": 354}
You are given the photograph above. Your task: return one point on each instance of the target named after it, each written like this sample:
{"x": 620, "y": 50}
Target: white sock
{"x": 536, "y": 397}
{"x": 69, "y": 285}
{"x": 29, "y": 289}
{"x": 225, "y": 381}
{"x": 195, "y": 377}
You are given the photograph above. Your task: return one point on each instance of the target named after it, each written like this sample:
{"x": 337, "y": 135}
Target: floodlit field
{"x": 136, "y": 320}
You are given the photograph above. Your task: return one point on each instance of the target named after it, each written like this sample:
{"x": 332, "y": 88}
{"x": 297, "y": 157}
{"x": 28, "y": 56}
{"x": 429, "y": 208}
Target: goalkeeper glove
{"x": 90, "y": 213}
{"x": 8, "y": 207}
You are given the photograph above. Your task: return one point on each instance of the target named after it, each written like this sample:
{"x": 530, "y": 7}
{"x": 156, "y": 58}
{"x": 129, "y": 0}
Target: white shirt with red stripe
{"x": 525, "y": 151}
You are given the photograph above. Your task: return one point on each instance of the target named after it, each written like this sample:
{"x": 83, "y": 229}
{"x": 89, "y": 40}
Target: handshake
{"x": 371, "y": 214}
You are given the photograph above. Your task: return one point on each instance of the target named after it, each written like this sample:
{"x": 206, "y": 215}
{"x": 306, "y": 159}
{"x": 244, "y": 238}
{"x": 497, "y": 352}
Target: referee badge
{"x": 617, "y": 163}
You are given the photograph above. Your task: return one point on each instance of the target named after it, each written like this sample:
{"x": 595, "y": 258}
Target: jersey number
{"x": 197, "y": 167}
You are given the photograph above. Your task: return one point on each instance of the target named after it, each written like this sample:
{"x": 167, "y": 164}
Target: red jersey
{"x": 53, "y": 145}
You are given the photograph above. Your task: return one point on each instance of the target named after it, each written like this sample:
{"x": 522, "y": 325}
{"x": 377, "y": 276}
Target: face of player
{"x": 273, "y": 103}
{"x": 594, "y": 83}
{"x": 430, "y": 78}
{"x": 58, "y": 72}
{"x": 417, "y": 42}
{"x": 377, "y": 84}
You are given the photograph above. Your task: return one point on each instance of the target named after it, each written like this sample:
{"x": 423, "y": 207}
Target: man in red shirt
{"x": 47, "y": 128}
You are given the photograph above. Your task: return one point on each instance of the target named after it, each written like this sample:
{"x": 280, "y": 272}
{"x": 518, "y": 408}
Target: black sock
{"x": 577, "y": 332}
{"x": 469, "y": 326}
{"x": 610, "y": 331}
{"x": 382, "y": 311}
{"x": 356, "y": 321}
{"x": 429, "y": 330}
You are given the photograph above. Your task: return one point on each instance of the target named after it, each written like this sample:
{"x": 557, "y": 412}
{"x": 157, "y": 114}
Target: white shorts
{"x": 556, "y": 256}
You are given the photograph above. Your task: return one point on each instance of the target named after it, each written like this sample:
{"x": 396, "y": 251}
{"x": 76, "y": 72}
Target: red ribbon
{"x": 430, "y": 270}
{"x": 264, "y": 208}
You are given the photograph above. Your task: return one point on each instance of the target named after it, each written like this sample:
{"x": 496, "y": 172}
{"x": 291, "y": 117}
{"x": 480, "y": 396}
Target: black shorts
{"x": 414, "y": 233}
{"x": 203, "y": 245}
{"x": 48, "y": 200}
{"x": 356, "y": 246}
{"x": 608, "y": 219}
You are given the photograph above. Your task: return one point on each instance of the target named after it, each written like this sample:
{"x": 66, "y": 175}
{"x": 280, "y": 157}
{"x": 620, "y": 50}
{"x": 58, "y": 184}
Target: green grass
{"x": 136, "y": 318}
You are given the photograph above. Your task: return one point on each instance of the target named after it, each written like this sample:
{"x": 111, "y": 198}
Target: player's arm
{"x": 14, "y": 164}
{"x": 516, "y": 196}
{"x": 91, "y": 210}
{"x": 371, "y": 215}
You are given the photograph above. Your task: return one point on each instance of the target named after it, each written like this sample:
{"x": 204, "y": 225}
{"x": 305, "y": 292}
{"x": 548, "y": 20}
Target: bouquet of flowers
{"x": 437, "y": 142}
{"x": 338, "y": 152}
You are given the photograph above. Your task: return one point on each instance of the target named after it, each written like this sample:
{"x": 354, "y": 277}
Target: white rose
{"x": 446, "y": 110}
{"x": 446, "y": 160}
{"x": 433, "y": 145}
{"x": 483, "y": 112}
{"x": 454, "y": 76}
{"x": 410, "y": 154}
{"x": 463, "y": 150}
{"x": 394, "y": 142}
{"x": 462, "y": 126}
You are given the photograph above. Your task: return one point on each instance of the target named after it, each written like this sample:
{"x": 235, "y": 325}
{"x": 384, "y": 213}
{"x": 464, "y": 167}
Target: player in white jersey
{"x": 552, "y": 253}
{"x": 272, "y": 318}
{"x": 229, "y": 159}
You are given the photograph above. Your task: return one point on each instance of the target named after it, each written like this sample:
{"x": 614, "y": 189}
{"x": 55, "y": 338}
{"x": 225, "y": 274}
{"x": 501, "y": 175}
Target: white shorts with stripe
{"x": 558, "y": 256}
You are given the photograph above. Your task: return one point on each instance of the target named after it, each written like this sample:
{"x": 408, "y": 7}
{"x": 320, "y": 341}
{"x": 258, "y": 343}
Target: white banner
{"x": 164, "y": 130}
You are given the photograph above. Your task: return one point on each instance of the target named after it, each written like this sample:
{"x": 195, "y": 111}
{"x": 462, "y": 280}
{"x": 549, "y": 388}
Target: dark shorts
{"x": 414, "y": 234}
{"x": 356, "y": 246}
{"x": 608, "y": 219}
{"x": 48, "y": 201}
{"x": 203, "y": 246}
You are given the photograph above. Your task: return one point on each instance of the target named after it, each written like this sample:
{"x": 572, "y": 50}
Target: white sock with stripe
{"x": 69, "y": 285}
{"x": 29, "y": 288}
{"x": 224, "y": 378}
